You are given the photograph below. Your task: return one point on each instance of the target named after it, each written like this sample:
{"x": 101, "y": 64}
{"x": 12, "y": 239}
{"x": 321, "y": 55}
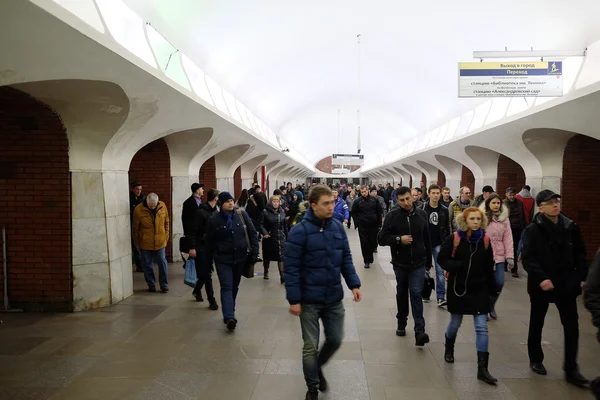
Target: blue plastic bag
{"x": 190, "y": 277}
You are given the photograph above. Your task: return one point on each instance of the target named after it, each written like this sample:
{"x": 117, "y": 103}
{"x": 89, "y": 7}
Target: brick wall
{"x": 467, "y": 179}
{"x": 151, "y": 167}
{"x": 410, "y": 182}
{"x": 208, "y": 174}
{"x": 424, "y": 179}
{"x": 237, "y": 182}
{"x": 325, "y": 165}
{"x": 255, "y": 177}
{"x": 510, "y": 174}
{"x": 580, "y": 190}
{"x": 441, "y": 177}
{"x": 35, "y": 203}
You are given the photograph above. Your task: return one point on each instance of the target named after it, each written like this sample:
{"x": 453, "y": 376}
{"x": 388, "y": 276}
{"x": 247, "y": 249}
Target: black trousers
{"x": 368, "y": 242}
{"x": 567, "y": 308}
{"x": 350, "y": 220}
{"x": 204, "y": 274}
{"x": 516, "y": 234}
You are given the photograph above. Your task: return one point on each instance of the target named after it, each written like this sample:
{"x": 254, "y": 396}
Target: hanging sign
{"x": 510, "y": 79}
{"x": 348, "y": 159}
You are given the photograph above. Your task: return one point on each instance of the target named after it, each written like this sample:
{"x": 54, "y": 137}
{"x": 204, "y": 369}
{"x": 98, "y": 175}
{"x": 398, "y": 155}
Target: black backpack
{"x": 428, "y": 286}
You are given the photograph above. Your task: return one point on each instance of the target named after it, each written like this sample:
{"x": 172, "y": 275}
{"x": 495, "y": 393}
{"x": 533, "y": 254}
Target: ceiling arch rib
{"x": 486, "y": 160}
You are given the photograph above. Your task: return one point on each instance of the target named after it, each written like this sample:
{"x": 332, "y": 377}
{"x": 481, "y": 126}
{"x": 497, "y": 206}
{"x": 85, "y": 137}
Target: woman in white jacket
{"x": 502, "y": 242}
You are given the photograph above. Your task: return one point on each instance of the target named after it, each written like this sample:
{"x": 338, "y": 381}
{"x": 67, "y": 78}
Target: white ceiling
{"x": 294, "y": 64}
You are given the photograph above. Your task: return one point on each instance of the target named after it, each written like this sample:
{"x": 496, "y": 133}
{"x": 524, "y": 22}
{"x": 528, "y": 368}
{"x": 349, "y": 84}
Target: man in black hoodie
{"x": 196, "y": 236}
{"x": 554, "y": 258}
{"x": 406, "y": 231}
{"x": 591, "y": 297}
{"x": 368, "y": 214}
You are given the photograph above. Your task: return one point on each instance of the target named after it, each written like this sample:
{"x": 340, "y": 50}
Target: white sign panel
{"x": 510, "y": 79}
{"x": 340, "y": 171}
{"x": 348, "y": 159}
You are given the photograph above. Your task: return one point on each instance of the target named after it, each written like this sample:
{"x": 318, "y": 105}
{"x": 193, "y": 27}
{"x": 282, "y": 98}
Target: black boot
{"x": 493, "y": 300}
{"x": 449, "y": 352}
{"x": 482, "y": 368}
{"x": 280, "y": 267}
{"x": 266, "y": 267}
{"x": 312, "y": 394}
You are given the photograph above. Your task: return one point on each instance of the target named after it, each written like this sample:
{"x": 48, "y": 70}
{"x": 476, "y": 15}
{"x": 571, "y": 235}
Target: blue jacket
{"x": 316, "y": 255}
{"x": 340, "y": 210}
{"x": 229, "y": 246}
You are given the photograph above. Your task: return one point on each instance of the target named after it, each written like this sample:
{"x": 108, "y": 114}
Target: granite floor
{"x": 167, "y": 346}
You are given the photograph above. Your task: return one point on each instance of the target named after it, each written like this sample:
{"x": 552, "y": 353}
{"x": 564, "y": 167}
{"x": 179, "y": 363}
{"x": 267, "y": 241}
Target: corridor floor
{"x": 167, "y": 346}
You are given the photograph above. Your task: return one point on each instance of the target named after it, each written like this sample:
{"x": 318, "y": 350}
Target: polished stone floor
{"x": 167, "y": 346}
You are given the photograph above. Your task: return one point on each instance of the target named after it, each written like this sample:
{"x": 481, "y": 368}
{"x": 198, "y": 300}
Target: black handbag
{"x": 248, "y": 271}
{"x": 184, "y": 244}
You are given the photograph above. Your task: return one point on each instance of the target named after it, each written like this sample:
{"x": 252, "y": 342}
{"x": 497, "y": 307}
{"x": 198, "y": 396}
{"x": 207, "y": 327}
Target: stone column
{"x": 247, "y": 183}
{"x": 454, "y": 186}
{"x": 225, "y": 184}
{"x": 493, "y": 182}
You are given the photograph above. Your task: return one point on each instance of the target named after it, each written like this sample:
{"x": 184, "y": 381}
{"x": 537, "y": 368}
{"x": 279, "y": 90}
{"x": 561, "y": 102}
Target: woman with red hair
{"x": 469, "y": 259}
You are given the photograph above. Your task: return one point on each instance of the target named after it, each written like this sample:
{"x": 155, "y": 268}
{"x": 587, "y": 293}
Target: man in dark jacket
{"x": 317, "y": 254}
{"x": 439, "y": 229}
{"x": 227, "y": 237}
{"x": 554, "y": 258}
{"x": 591, "y": 297}
{"x": 135, "y": 198}
{"x": 190, "y": 206}
{"x": 516, "y": 216}
{"x": 406, "y": 231}
{"x": 367, "y": 214}
{"x": 196, "y": 235}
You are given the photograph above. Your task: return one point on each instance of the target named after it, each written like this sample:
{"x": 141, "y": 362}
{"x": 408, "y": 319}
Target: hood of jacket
{"x": 300, "y": 195}
{"x": 539, "y": 220}
{"x": 525, "y": 194}
{"x": 272, "y": 209}
{"x": 503, "y": 211}
{"x": 461, "y": 222}
{"x": 310, "y": 216}
{"x": 207, "y": 207}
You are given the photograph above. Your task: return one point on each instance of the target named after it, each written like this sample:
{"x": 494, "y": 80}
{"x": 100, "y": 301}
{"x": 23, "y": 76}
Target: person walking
{"x": 135, "y": 198}
{"x": 197, "y": 251}
{"x": 340, "y": 208}
{"x": 439, "y": 229}
{"x": 317, "y": 255}
{"x": 462, "y": 202}
{"x": 190, "y": 206}
{"x": 367, "y": 214}
{"x": 350, "y": 198}
{"x": 274, "y": 229}
{"x": 227, "y": 235}
{"x": 554, "y": 258}
{"x": 516, "y": 217}
{"x": 468, "y": 257}
{"x": 151, "y": 233}
{"x": 591, "y": 297}
{"x": 406, "y": 231}
{"x": 502, "y": 243}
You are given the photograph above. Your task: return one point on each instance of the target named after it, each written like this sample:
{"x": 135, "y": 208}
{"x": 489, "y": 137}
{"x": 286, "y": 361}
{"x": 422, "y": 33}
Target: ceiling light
{"x": 529, "y": 53}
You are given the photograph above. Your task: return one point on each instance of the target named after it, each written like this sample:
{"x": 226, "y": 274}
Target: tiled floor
{"x": 167, "y": 346}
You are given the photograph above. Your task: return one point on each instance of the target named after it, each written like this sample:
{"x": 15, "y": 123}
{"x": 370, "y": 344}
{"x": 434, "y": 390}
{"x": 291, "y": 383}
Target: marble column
{"x": 493, "y": 182}
{"x": 225, "y": 184}
{"x": 454, "y": 186}
{"x": 247, "y": 183}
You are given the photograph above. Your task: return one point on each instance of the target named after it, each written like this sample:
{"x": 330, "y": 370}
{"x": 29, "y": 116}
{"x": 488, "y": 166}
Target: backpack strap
{"x": 486, "y": 241}
{"x": 456, "y": 243}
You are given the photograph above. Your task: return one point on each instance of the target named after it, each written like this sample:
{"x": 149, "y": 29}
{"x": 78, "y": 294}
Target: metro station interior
{"x": 98, "y": 94}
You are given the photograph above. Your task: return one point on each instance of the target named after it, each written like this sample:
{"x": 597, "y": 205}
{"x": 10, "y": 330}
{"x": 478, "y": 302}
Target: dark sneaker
{"x": 538, "y": 368}
{"x": 575, "y": 378}
{"x": 152, "y": 289}
{"x": 198, "y": 297}
{"x": 375, "y": 251}
{"x": 367, "y": 265}
{"x": 400, "y": 332}
{"x": 164, "y": 289}
{"x": 231, "y": 324}
{"x": 421, "y": 339}
{"x": 515, "y": 274}
{"x": 312, "y": 394}
{"x": 441, "y": 302}
{"x": 213, "y": 306}
{"x": 595, "y": 387}
{"x": 323, "y": 385}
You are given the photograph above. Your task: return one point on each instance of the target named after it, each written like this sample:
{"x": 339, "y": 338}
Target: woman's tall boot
{"x": 280, "y": 267}
{"x": 266, "y": 267}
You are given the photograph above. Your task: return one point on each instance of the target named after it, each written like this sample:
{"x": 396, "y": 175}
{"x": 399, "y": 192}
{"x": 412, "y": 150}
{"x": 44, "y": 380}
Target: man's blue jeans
{"x": 499, "y": 276}
{"x": 481, "y": 329}
{"x": 148, "y": 258}
{"x": 230, "y": 276}
{"x": 440, "y": 275}
{"x": 410, "y": 281}
{"x": 332, "y": 316}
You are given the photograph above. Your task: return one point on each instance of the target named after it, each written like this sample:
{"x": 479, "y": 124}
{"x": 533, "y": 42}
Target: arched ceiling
{"x": 294, "y": 64}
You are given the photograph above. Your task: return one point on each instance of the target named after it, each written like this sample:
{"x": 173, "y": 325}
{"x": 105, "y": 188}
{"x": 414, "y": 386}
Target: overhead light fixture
{"x": 530, "y": 53}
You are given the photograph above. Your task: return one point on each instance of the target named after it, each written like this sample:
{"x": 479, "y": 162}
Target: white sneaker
{"x": 441, "y": 302}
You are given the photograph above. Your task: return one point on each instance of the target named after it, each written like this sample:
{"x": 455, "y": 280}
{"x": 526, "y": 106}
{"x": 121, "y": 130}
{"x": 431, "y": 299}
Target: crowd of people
{"x": 469, "y": 243}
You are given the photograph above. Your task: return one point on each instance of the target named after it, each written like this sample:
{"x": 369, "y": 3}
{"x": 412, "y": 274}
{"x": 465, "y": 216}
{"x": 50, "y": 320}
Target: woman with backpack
{"x": 502, "y": 243}
{"x": 468, "y": 257}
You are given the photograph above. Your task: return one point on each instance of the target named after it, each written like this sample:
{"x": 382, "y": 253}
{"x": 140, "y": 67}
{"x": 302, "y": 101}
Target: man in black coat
{"x": 554, "y": 258}
{"x": 368, "y": 214}
{"x": 591, "y": 297}
{"x": 135, "y": 198}
{"x": 196, "y": 236}
{"x": 406, "y": 231}
{"x": 190, "y": 206}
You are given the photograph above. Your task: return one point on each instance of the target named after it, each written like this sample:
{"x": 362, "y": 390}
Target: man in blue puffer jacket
{"x": 340, "y": 208}
{"x": 316, "y": 255}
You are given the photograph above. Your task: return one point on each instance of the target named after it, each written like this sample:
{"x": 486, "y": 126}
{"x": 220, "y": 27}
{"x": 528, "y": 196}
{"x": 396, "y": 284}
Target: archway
{"x": 510, "y": 174}
{"x": 441, "y": 178}
{"x": 467, "y": 179}
{"x": 35, "y": 199}
{"x": 208, "y": 174}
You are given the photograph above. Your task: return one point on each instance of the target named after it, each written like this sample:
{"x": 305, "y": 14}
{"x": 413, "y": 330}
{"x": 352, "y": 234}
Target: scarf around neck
{"x": 229, "y": 216}
{"x": 476, "y": 236}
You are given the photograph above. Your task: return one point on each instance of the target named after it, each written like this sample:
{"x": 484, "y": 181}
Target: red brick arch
{"x": 208, "y": 174}
{"x": 237, "y": 182}
{"x": 441, "y": 178}
{"x": 467, "y": 179}
{"x": 151, "y": 166}
{"x": 580, "y": 190}
{"x": 35, "y": 203}
{"x": 510, "y": 174}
